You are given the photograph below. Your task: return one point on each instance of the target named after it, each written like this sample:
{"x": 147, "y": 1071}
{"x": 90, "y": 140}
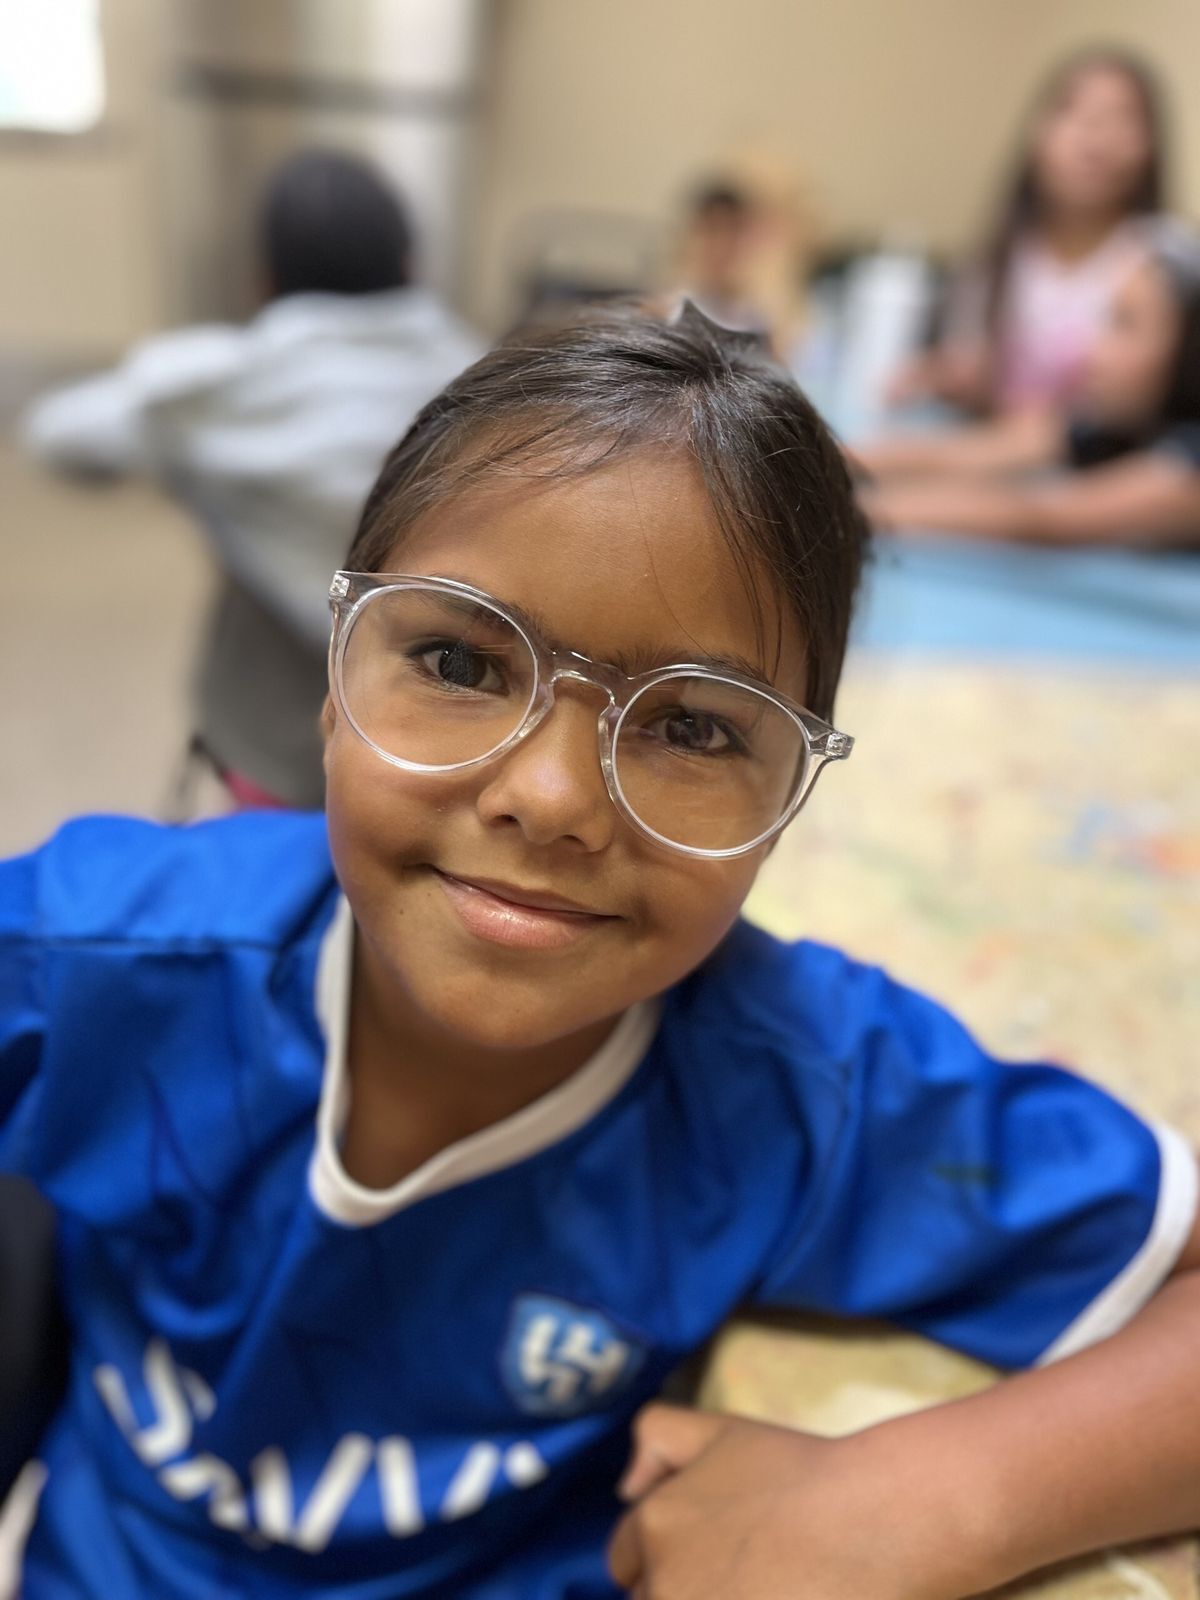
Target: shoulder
{"x": 807, "y": 1027}
{"x": 418, "y": 317}
{"x": 783, "y": 1008}
{"x": 762, "y": 1056}
{"x": 256, "y": 878}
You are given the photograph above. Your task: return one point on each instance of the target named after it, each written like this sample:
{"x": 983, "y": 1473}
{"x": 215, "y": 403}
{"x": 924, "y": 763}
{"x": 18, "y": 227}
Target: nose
{"x": 551, "y": 785}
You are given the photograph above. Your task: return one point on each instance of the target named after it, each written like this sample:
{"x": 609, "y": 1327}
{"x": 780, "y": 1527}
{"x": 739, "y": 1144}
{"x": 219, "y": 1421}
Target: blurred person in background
{"x": 1131, "y": 441}
{"x": 745, "y": 251}
{"x": 270, "y": 435}
{"x": 1020, "y": 321}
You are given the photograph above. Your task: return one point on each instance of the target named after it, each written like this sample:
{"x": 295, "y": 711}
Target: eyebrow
{"x": 633, "y": 663}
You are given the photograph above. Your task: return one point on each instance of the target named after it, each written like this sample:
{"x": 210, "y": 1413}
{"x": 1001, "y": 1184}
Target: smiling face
{"x": 510, "y": 904}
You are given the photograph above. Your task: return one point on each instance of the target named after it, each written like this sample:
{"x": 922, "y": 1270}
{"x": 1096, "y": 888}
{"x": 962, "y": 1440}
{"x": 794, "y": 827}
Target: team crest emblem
{"x": 560, "y": 1360}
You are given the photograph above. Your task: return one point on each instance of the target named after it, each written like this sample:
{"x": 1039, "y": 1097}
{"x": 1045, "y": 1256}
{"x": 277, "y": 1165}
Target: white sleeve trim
{"x": 1136, "y": 1283}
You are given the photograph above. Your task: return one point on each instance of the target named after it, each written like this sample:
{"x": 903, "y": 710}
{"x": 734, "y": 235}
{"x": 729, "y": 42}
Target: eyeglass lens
{"x": 439, "y": 680}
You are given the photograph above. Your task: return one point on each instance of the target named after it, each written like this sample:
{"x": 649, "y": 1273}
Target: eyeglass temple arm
{"x": 833, "y": 746}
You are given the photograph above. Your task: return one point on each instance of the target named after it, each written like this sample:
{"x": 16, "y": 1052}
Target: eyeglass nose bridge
{"x": 559, "y": 665}
{"x": 570, "y": 665}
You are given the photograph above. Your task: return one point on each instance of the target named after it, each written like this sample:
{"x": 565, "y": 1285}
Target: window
{"x": 51, "y": 65}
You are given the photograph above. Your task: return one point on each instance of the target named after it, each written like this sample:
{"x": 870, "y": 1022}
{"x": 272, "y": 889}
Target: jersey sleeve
{"x": 22, "y": 1018}
{"x": 1014, "y": 1212}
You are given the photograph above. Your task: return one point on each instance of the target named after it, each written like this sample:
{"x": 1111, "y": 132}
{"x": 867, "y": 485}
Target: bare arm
{"x": 958, "y": 370}
{"x": 1100, "y": 1449}
{"x": 1016, "y": 443}
{"x": 1147, "y": 499}
{"x": 1118, "y": 1424}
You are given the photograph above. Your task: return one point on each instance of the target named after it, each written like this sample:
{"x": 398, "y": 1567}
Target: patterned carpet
{"x": 1024, "y": 843}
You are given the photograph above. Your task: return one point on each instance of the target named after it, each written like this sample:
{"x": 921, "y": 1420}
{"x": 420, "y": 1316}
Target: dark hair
{"x": 331, "y": 224}
{"x": 719, "y": 195}
{"x": 1021, "y": 204}
{"x": 565, "y": 397}
{"x": 1175, "y": 249}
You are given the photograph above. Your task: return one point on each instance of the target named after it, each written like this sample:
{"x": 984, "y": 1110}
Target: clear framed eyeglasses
{"x": 438, "y": 677}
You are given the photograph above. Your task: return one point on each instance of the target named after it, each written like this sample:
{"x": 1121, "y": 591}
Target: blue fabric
{"x": 974, "y": 596}
{"x": 802, "y": 1132}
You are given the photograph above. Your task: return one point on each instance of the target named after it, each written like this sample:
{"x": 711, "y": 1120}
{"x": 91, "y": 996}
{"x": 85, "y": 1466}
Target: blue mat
{"x": 966, "y": 596}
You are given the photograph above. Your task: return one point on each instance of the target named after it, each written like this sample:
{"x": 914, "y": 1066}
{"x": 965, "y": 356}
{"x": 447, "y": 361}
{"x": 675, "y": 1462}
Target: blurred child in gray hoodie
{"x": 270, "y": 434}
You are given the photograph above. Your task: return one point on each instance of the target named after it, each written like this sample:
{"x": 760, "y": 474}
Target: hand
{"x": 949, "y": 506}
{"x": 912, "y": 380}
{"x": 733, "y": 1510}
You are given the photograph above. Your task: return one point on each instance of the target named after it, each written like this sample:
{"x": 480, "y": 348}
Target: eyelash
{"x": 736, "y": 743}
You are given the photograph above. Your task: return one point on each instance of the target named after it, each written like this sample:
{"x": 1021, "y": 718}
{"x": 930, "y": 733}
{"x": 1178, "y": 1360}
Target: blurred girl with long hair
{"x": 1130, "y": 443}
{"x": 1020, "y": 321}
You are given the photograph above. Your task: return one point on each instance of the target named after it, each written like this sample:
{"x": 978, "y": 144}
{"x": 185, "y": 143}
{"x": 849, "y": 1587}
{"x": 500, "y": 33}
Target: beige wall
{"x": 82, "y": 270}
{"x": 902, "y": 112}
{"x": 147, "y": 220}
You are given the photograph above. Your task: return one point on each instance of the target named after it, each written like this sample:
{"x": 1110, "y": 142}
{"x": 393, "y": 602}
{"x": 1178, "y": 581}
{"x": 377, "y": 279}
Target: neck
{"x": 416, "y": 1088}
{"x": 1072, "y": 235}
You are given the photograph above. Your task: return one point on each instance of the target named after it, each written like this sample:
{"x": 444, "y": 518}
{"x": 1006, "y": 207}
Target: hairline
{"x": 439, "y": 493}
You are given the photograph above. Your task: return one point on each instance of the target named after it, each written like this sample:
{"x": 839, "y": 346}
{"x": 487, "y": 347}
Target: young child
{"x": 1132, "y": 442}
{"x": 745, "y": 252}
{"x": 401, "y": 1153}
{"x": 269, "y": 435}
{"x": 1022, "y": 318}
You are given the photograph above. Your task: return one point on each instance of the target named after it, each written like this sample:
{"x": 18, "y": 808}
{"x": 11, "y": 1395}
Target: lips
{"x": 510, "y": 914}
{"x": 531, "y": 899}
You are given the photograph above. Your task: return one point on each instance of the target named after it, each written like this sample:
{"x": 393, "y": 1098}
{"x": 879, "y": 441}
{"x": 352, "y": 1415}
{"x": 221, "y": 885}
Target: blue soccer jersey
{"x": 286, "y": 1384}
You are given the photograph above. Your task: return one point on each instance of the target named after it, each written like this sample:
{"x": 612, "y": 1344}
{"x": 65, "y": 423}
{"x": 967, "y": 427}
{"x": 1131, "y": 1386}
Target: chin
{"x": 503, "y": 1014}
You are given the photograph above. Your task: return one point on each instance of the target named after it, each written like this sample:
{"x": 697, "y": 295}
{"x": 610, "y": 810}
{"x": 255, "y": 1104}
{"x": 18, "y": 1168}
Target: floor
{"x": 102, "y": 594}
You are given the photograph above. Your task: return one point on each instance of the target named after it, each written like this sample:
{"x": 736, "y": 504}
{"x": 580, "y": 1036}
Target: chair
{"x": 33, "y": 1333}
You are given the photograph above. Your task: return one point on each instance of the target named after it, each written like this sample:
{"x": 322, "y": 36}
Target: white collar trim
{"x": 535, "y": 1127}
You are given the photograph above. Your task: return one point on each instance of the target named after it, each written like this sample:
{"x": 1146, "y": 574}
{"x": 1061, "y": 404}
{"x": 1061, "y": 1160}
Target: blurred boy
{"x": 270, "y": 435}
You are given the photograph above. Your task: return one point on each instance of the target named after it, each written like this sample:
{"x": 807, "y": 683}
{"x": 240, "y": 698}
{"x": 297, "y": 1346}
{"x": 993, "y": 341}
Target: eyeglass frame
{"x": 351, "y": 592}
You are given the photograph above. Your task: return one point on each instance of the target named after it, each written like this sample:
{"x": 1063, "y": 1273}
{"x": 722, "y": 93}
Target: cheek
{"x": 1051, "y": 151}
{"x": 381, "y": 820}
{"x": 1129, "y": 144}
{"x": 690, "y": 904}
{"x": 376, "y": 812}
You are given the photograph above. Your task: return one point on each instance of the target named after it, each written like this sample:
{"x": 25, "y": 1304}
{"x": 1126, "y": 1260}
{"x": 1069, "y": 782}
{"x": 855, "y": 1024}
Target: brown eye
{"x": 697, "y": 733}
{"x": 456, "y": 665}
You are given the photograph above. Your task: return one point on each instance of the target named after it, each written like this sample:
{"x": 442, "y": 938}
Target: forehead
{"x": 1098, "y": 85}
{"x": 624, "y": 563}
